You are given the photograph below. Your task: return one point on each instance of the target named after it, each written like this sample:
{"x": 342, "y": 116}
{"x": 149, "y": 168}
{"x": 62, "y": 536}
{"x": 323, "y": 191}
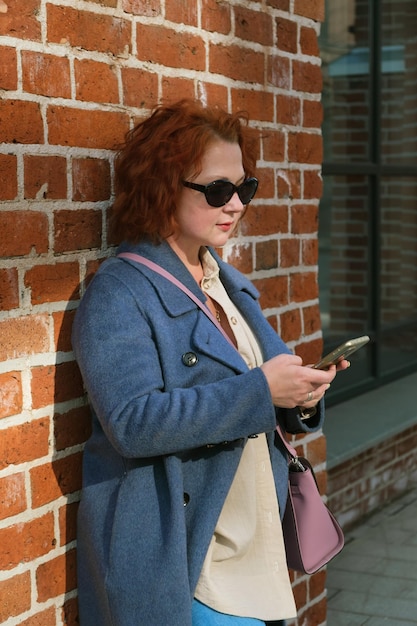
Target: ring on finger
{"x": 309, "y": 396}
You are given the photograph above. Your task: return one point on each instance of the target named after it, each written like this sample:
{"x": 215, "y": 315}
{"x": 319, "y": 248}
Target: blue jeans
{"x": 205, "y": 616}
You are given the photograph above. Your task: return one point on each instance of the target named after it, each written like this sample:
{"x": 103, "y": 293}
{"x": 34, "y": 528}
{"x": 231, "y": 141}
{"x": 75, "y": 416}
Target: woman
{"x": 184, "y": 477}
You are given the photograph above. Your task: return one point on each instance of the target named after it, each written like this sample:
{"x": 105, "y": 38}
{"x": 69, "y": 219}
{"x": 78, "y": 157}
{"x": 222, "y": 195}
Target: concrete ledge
{"x": 365, "y": 421}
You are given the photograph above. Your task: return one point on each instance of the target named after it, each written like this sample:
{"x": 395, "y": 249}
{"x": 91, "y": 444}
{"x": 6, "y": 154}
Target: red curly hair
{"x": 156, "y": 157}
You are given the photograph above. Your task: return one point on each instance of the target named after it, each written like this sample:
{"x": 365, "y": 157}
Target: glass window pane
{"x": 398, "y": 282}
{"x": 344, "y": 261}
{"x": 398, "y": 81}
{"x": 344, "y": 45}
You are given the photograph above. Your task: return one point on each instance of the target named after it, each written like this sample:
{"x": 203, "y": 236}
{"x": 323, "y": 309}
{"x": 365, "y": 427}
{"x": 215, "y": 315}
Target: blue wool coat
{"x": 172, "y": 406}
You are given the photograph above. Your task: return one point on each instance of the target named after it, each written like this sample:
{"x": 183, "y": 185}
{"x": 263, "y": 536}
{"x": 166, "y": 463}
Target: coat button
{"x": 186, "y": 498}
{"x": 189, "y": 359}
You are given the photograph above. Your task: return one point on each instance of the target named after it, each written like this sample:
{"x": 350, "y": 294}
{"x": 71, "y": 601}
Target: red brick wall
{"x": 73, "y": 79}
{"x": 371, "y": 479}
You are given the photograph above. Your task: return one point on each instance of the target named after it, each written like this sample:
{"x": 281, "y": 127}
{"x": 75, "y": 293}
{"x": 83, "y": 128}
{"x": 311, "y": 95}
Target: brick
{"x": 25, "y": 442}
{"x": 24, "y": 335}
{"x": 11, "y": 397}
{"x": 56, "y": 577}
{"x": 279, "y": 72}
{"x": 317, "y": 450}
{"x": 45, "y": 177}
{"x": 8, "y": 68}
{"x": 148, "y": 8}
{"x": 70, "y": 615}
{"x": 46, "y": 74}
{"x": 307, "y": 77}
{"x": 290, "y": 325}
{"x": 300, "y": 595}
{"x": 308, "y": 42}
{"x": 265, "y": 220}
{"x": 68, "y": 523}
{"x": 105, "y": 3}
{"x": 44, "y": 618}
{"x": 88, "y": 30}
{"x": 303, "y": 286}
{"x": 258, "y": 104}
{"x": 255, "y": 26}
{"x": 216, "y": 17}
{"x": 309, "y": 252}
{"x": 310, "y": 351}
{"x": 289, "y": 184}
{"x": 241, "y": 257}
{"x": 54, "y": 384}
{"x": 21, "y": 122}
{"x": 289, "y": 252}
{"x": 311, "y": 319}
{"x": 63, "y": 321}
{"x": 317, "y": 584}
{"x": 282, "y": 5}
{"x": 181, "y": 12}
{"x": 76, "y": 230}
{"x": 274, "y": 291}
{"x": 53, "y": 283}
{"x": 313, "y": 9}
{"x": 72, "y": 428}
{"x": 237, "y": 63}
{"x": 158, "y": 44}
{"x": 312, "y": 114}
{"x": 8, "y": 176}
{"x": 23, "y": 232}
{"x": 273, "y": 146}
{"x": 9, "y": 289}
{"x": 288, "y": 111}
{"x": 266, "y": 189}
{"x": 286, "y": 35}
{"x": 316, "y": 613}
{"x": 53, "y": 480}
{"x": 21, "y": 543}
{"x": 95, "y": 82}
{"x": 91, "y": 180}
{"x": 140, "y": 88}
{"x": 15, "y": 594}
{"x": 91, "y": 269}
{"x": 266, "y": 255}
{"x": 304, "y": 218}
{"x": 86, "y": 129}
{"x": 172, "y": 86}
{"x": 21, "y": 20}
{"x": 305, "y": 148}
{"x": 12, "y": 495}
{"x": 313, "y": 184}
{"x": 214, "y": 94}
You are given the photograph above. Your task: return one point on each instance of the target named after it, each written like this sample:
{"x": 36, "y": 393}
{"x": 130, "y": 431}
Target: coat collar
{"x": 206, "y": 337}
{"x": 165, "y": 256}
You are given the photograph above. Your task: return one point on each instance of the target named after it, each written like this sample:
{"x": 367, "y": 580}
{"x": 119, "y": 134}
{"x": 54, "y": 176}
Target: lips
{"x": 225, "y": 225}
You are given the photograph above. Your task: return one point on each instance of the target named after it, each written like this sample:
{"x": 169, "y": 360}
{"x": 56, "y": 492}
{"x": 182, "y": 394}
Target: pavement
{"x": 373, "y": 581}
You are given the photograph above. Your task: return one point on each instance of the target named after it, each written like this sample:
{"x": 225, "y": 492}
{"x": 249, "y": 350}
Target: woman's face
{"x": 200, "y": 224}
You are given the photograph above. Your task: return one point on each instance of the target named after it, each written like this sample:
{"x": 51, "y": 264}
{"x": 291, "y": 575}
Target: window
{"x": 368, "y": 212}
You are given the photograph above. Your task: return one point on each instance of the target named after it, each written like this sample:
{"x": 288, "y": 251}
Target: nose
{"x": 235, "y": 204}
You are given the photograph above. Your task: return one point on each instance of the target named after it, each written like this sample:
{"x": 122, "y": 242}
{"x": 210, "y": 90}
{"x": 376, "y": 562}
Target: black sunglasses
{"x": 219, "y": 192}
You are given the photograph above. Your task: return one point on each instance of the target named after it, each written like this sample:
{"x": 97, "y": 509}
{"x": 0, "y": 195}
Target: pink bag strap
{"x": 160, "y": 270}
{"x": 291, "y": 451}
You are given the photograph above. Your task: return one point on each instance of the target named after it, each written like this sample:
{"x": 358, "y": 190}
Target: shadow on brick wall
{"x": 72, "y": 427}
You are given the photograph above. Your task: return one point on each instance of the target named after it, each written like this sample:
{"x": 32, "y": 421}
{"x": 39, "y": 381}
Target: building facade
{"x": 75, "y": 75}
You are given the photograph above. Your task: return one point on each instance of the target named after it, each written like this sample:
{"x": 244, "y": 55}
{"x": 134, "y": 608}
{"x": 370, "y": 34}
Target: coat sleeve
{"x": 123, "y": 372}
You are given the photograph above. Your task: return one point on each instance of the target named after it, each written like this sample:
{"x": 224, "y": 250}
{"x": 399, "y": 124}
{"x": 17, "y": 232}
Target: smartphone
{"x": 342, "y": 352}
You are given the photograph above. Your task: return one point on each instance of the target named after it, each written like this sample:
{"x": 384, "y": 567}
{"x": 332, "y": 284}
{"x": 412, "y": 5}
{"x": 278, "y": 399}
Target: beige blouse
{"x": 245, "y": 571}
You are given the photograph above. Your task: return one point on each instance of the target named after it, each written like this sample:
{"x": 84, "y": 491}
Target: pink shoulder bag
{"x": 312, "y": 535}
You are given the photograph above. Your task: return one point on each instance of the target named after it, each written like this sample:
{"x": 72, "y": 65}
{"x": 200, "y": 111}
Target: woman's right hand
{"x": 293, "y": 384}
